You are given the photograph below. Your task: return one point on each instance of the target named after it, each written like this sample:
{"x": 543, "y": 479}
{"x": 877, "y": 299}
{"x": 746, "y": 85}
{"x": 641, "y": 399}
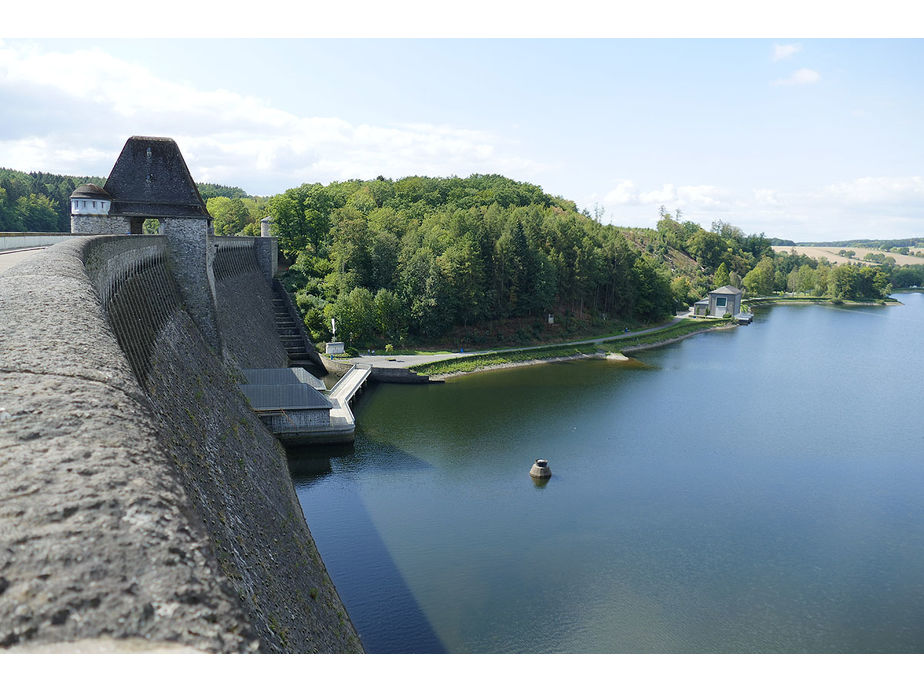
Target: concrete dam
{"x": 143, "y": 506}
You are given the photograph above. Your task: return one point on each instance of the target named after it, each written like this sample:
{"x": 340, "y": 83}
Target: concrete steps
{"x": 291, "y": 334}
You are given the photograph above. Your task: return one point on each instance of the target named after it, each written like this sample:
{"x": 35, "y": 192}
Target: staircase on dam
{"x": 300, "y": 350}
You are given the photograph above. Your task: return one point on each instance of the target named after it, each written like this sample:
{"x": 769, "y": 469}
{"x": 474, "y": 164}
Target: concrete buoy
{"x": 540, "y": 470}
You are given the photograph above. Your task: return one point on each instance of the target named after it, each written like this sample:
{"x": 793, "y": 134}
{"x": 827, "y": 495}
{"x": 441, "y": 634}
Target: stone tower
{"x": 150, "y": 180}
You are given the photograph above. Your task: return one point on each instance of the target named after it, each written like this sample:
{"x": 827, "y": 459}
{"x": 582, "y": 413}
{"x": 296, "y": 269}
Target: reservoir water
{"x": 759, "y": 489}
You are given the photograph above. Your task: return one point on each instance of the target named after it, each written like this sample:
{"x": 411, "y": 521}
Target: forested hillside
{"x": 461, "y": 261}
{"x": 416, "y": 258}
{"x": 38, "y": 202}
{"x": 480, "y": 260}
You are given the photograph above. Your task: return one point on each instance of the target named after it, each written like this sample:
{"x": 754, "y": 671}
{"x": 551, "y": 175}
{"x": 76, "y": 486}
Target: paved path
{"x": 401, "y": 361}
{"x": 343, "y": 392}
{"x": 8, "y": 258}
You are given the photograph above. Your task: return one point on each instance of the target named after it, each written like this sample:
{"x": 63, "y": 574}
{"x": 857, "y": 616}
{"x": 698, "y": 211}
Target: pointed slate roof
{"x": 150, "y": 179}
{"x": 727, "y": 289}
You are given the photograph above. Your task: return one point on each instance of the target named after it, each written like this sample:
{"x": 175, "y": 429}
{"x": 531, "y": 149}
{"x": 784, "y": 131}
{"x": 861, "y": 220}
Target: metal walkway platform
{"x": 291, "y": 405}
{"x": 344, "y": 392}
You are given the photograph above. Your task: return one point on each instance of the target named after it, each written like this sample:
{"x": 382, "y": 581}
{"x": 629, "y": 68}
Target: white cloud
{"x": 900, "y": 191}
{"x": 868, "y": 207}
{"x": 784, "y": 51}
{"x": 89, "y": 102}
{"x": 625, "y": 193}
{"x": 801, "y": 76}
{"x": 767, "y": 198}
{"x": 700, "y": 197}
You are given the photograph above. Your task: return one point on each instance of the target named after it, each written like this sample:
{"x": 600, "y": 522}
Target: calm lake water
{"x": 759, "y": 489}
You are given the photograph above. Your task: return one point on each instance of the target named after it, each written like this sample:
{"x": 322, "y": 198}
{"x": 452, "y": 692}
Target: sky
{"x": 804, "y": 139}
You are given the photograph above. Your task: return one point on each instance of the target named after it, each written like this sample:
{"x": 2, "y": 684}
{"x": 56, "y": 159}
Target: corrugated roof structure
{"x": 150, "y": 179}
{"x": 266, "y": 398}
{"x": 727, "y": 289}
{"x": 282, "y": 376}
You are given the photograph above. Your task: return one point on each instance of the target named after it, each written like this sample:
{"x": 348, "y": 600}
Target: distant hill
{"x": 839, "y": 255}
{"x": 879, "y": 243}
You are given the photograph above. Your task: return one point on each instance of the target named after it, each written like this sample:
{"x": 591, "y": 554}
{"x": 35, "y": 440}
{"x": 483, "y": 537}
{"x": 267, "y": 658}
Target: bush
{"x": 389, "y": 347}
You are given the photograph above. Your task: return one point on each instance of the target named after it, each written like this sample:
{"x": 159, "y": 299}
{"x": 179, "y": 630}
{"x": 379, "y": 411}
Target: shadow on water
{"x": 389, "y": 619}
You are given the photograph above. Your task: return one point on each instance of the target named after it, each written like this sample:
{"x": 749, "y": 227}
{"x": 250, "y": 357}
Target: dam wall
{"x": 245, "y": 304}
{"x": 143, "y": 507}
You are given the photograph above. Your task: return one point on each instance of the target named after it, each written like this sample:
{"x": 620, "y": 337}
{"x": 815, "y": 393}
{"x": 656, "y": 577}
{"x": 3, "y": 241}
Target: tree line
{"x": 420, "y": 258}
{"x": 38, "y": 202}
{"x": 415, "y": 258}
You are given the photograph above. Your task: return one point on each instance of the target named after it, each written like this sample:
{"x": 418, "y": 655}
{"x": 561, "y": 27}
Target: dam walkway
{"x": 344, "y": 392}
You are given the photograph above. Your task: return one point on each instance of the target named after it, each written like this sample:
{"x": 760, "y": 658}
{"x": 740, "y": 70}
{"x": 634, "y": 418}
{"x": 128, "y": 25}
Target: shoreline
{"x": 608, "y": 355}
{"x": 822, "y": 301}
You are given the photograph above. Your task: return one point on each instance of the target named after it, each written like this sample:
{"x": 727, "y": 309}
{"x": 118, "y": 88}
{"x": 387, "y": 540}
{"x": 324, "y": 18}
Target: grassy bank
{"x": 768, "y": 300}
{"x": 468, "y": 364}
{"x": 681, "y": 329}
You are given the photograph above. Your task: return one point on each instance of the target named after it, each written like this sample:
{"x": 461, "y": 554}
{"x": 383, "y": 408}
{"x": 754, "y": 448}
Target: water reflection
{"x": 755, "y": 490}
{"x": 383, "y": 609}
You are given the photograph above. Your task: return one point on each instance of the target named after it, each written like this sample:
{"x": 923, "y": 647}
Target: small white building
{"x": 89, "y": 199}
{"x": 721, "y": 301}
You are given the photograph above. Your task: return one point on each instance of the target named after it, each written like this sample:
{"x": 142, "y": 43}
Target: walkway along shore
{"x": 414, "y": 362}
{"x": 607, "y": 347}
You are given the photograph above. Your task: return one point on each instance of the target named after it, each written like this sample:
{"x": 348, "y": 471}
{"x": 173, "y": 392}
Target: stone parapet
{"x": 161, "y": 513}
{"x": 97, "y": 535}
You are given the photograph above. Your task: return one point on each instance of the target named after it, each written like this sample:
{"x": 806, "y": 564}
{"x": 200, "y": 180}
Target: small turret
{"x": 90, "y": 207}
{"x": 90, "y": 199}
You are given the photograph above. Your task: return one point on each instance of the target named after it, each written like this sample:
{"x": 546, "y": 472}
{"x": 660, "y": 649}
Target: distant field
{"x": 831, "y": 254}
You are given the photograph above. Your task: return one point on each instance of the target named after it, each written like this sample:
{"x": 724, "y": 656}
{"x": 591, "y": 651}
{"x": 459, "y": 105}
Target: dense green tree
{"x": 654, "y": 297}
{"x": 36, "y": 213}
{"x": 230, "y": 216}
{"x": 760, "y": 280}
{"x": 721, "y": 276}
{"x": 356, "y": 317}
{"x": 390, "y": 316}
{"x": 707, "y": 248}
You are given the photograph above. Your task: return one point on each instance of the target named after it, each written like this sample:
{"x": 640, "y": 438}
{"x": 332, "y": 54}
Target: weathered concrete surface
{"x": 14, "y": 257}
{"x": 164, "y": 517}
{"x": 244, "y": 301}
{"x": 97, "y": 537}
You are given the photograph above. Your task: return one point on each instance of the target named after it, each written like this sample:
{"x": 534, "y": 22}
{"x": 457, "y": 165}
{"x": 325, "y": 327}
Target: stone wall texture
{"x": 142, "y": 504}
{"x": 244, "y": 302}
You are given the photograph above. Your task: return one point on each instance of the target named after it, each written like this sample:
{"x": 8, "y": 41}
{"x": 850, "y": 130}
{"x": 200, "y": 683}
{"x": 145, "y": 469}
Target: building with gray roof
{"x": 150, "y": 180}
{"x": 724, "y": 300}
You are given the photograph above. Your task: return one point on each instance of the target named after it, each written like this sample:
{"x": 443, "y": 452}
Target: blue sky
{"x": 808, "y": 139}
